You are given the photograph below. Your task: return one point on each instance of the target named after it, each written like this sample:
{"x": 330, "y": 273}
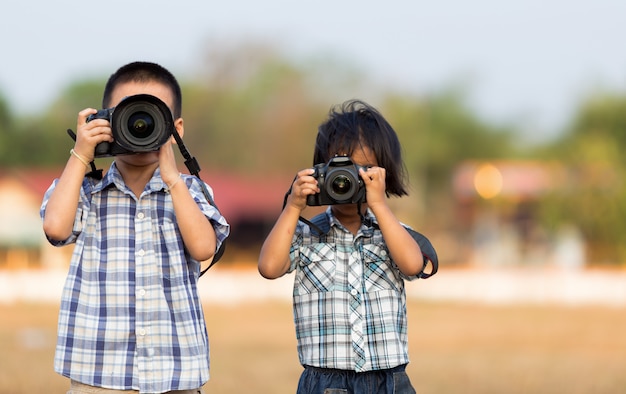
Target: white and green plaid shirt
{"x": 349, "y": 300}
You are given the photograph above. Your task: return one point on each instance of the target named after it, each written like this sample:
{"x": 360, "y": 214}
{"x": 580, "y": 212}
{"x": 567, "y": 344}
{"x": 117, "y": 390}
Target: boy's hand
{"x": 374, "y": 179}
{"x": 304, "y": 185}
{"x": 90, "y": 134}
{"x": 167, "y": 163}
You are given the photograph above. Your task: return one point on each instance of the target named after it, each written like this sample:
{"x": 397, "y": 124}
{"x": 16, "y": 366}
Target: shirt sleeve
{"x": 403, "y": 276}
{"x": 220, "y": 225}
{"x": 296, "y": 243}
{"x": 79, "y": 218}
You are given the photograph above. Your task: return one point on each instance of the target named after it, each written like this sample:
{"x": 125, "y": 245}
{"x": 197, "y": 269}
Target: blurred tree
{"x": 259, "y": 125}
{"x": 44, "y": 136}
{"x": 437, "y": 134}
{"x": 593, "y": 195}
{"x": 7, "y": 133}
{"x": 250, "y": 110}
{"x": 258, "y": 111}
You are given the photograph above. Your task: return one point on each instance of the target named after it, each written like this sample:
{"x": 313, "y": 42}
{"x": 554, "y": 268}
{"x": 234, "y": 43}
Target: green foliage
{"x": 251, "y": 111}
{"x": 7, "y": 133}
{"x": 44, "y": 137}
{"x": 260, "y": 125}
{"x": 593, "y": 194}
{"x": 439, "y": 132}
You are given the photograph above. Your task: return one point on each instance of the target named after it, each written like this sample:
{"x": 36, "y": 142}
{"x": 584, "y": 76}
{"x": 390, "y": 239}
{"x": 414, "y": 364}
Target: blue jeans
{"x": 336, "y": 381}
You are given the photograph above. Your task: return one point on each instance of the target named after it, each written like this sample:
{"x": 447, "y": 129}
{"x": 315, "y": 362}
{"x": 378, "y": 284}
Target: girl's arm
{"x": 274, "y": 257}
{"x": 404, "y": 251}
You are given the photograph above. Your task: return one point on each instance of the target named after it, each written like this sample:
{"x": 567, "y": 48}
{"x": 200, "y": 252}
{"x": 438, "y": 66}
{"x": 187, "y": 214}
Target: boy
{"x": 131, "y": 317}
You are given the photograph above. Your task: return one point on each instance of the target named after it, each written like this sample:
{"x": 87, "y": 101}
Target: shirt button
{"x": 141, "y": 252}
{"x": 354, "y": 292}
{"x": 142, "y": 292}
{"x": 140, "y": 215}
{"x": 142, "y": 332}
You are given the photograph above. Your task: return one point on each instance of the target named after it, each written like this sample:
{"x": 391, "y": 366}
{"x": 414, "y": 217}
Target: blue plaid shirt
{"x": 349, "y": 300}
{"x": 130, "y": 315}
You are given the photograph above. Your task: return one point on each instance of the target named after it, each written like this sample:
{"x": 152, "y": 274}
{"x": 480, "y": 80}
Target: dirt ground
{"x": 454, "y": 348}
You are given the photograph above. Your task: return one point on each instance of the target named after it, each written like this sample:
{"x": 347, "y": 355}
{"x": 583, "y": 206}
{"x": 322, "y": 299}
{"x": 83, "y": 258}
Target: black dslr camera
{"x": 140, "y": 123}
{"x": 339, "y": 182}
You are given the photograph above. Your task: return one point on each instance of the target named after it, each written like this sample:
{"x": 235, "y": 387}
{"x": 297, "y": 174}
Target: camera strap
{"x": 194, "y": 169}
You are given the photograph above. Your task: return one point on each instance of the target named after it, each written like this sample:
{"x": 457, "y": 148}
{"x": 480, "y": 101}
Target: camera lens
{"x": 140, "y": 124}
{"x": 341, "y": 185}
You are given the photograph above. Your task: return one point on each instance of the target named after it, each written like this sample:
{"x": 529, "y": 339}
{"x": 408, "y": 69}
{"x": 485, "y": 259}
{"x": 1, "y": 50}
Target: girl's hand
{"x": 90, "y": 134}
{"x": 274, "y": 259}
{"x": 374, "y": 180}
{"x": 304, "y": 185}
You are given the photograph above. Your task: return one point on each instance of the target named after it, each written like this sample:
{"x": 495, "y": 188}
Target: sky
{"x": 526, "y": 61}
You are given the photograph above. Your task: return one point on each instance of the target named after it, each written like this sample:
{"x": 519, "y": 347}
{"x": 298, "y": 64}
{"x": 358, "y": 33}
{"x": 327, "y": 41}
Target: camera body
{"x": 339, "y": 183}
{"x": 140, "y": 123}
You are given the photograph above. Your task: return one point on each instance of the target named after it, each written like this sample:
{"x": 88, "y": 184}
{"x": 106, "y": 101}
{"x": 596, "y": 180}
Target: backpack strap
{"x": 429, "y": 253}
{"x": 320, "y": 226}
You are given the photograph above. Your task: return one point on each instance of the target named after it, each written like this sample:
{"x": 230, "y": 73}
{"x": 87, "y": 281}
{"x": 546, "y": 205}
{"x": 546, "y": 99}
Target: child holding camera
{"x": 130, "y": 316}
{"x": 349, "y": 300}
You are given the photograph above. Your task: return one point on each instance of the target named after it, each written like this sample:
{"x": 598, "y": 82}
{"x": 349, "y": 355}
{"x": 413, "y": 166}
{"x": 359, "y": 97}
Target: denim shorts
{"x": 336, "y": 381}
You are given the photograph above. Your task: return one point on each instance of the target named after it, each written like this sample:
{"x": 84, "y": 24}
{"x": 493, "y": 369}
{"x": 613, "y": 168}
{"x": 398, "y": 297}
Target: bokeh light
{"x": 488, "y": 181}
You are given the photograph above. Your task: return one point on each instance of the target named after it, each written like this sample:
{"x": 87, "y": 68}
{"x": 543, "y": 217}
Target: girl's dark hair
{"x": 144, "y": 72}
{"x": 354, "y": 124}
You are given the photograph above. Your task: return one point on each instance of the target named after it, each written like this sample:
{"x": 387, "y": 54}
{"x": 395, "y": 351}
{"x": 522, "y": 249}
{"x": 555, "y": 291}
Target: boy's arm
{"x": 274, "y": 256}
{"x": 196, "y": 230}
{"x": 60, "y": 212}
{"x": 404, "y": 250}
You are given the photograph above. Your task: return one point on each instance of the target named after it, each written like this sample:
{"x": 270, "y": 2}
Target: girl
{"x": 349, "y": 300}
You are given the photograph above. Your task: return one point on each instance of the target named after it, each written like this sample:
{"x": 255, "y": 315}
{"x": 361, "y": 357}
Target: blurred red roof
{"x": 237, "y": 196}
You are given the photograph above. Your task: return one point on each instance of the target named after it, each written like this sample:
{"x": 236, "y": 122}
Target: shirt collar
{"x": 113, "y": 178}
{"x": 366, "y": 230}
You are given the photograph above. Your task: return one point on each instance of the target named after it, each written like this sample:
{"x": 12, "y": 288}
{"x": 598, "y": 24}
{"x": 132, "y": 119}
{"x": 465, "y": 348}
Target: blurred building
{"x": 497, "y": 205}
{"x": 250, "y": 204}
{"x": 22, "y": 242}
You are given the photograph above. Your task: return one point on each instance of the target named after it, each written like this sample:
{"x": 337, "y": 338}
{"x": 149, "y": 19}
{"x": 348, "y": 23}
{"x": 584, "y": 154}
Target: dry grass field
{"x": 455, "y": 348}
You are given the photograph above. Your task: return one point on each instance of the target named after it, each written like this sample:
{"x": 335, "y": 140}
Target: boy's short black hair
{"x": 356, "y": 123}
{"x": 144, "y": 72}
